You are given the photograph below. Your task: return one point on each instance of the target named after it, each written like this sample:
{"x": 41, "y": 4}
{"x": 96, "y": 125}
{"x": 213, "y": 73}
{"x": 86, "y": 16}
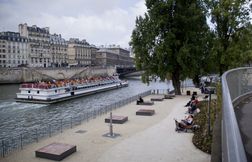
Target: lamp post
{"x": 210, "y": 91}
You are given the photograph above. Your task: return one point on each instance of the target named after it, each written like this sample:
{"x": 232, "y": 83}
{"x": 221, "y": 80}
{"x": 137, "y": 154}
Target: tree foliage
{"x": 172, "y": 40}
{"x": 231, "y": 21}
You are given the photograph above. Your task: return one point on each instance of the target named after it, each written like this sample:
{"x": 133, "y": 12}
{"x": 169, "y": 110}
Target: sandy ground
{"x": 142, "y": 138}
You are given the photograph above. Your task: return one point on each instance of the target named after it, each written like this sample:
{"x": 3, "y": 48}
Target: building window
{"x": 29, "y": 91}
{"x": 37, "y": 92}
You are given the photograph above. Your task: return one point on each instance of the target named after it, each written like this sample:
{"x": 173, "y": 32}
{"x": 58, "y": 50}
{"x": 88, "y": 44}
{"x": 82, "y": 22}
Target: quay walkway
{"x": 142, "y": 138}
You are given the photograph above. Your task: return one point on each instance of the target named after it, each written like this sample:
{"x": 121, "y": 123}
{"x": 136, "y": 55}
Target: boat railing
{"x": 9, "y": 144}
{"x": 52, "y": 85}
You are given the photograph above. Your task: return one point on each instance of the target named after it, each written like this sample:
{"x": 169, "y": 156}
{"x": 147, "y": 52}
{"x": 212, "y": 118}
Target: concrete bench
{"x": 117, "y": 119}
{"x": 157, "y": 99}
{"x": 169, "y": 96}
{"x": 145, "y": 112}
{"x": 55, "y": 151}
{"x": 149, "y": 103}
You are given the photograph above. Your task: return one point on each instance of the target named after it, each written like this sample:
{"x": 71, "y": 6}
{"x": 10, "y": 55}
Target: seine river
{"x": 18, "y": 117}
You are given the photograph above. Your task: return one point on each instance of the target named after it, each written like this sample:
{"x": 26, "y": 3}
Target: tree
{"x": 230, "y": 18}
{"x": 240, "y": 50}
{"x": 170, "y": 40}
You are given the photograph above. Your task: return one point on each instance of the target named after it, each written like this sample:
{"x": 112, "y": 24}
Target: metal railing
{"x": 235, "y": 84}
{"x": 10, "y": 144}
{"x": 161, "y": 91}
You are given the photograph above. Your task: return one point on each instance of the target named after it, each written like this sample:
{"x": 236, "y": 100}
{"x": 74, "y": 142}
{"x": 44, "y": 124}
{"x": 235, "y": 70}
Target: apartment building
{"x": 79, "y": 52}
{"x": 39, "y": 44}
{"x": 113, "y": 56}
{"x": 13, "y": 50}
{"x": 58, "y": 50}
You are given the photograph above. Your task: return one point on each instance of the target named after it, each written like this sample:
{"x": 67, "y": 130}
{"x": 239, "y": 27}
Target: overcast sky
{"x": 100, "y": 22}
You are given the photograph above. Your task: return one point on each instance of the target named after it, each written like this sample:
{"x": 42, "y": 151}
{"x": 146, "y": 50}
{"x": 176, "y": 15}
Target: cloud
{"x": 97, "y": 21}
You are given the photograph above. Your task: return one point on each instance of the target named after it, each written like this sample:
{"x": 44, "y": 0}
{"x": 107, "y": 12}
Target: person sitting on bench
{"x": 193, "y": 106}
{"x": 187, "y": 122}
{"x": 190, "y": 102}
{"x": 140, "y": 100}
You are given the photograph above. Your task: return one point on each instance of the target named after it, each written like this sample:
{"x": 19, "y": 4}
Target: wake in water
{"x": 12, "y": 106}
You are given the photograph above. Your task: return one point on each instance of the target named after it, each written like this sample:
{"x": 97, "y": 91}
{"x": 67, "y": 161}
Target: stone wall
{"x": 19, "y": 75}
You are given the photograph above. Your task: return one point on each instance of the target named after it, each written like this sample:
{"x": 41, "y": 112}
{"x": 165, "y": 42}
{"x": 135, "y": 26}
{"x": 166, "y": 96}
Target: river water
{"x": 18, "y": 117}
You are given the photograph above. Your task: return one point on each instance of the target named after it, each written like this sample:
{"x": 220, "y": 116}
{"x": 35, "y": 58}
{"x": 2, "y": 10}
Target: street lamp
{"x": 210, "y": 91}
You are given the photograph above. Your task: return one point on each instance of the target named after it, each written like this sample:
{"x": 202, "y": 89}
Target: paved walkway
{"x": 143, "y": 138}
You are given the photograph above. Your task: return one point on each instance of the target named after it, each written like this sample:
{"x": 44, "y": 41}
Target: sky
{"x": 100, "y": 22}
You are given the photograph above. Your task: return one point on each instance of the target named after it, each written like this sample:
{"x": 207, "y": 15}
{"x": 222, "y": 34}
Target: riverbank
{"x": 142, "y": 138}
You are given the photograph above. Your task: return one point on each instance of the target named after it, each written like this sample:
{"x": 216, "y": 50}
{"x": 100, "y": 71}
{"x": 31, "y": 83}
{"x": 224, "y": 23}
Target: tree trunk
{"x": 196, "y": 81}
{"x": 176, "y": 83}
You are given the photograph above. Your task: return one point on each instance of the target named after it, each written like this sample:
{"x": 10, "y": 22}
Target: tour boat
{"x": 57, "y": 91}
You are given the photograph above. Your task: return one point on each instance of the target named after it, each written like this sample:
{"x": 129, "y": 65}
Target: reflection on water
{"x": 16, "y": 117}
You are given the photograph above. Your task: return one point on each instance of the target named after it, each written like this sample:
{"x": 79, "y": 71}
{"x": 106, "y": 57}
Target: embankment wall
{"x": 24, "y": 74}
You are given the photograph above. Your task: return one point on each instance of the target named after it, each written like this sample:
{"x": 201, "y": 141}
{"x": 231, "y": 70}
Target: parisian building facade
{"x": 113, "y": 56}
{"x": 13, "y": 50}
{"x": 34, "y": 46}
{"x": 39, "y": 44}
{"x": 79, "y": 52}
{"x": 58, "y": 51}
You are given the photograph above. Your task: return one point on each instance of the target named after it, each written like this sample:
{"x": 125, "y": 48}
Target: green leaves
{"x": 170, "y": 39}
{"x": 229, "y": 18}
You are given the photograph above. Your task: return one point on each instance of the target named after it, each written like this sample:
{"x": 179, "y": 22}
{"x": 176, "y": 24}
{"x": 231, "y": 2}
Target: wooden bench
{"x": 117, "y": 119}
{"x": 149, "y": 103}
{"x": 55, "y": 151}
{"x": 145, "y": 112}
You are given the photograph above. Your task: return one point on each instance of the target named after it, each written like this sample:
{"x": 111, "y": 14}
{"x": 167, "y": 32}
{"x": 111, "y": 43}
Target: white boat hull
{"x": 45, "y": 98}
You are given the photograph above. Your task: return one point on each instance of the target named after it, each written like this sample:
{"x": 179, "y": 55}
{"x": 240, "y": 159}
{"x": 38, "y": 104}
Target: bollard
{"x": 111, "y": 126}
{"x": 209, "y": 118}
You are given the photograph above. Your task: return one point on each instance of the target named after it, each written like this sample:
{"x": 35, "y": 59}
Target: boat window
{"x": 55, "y": 91}
{"x": 29, "y": 91}
{"x": 37, "y": 92}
